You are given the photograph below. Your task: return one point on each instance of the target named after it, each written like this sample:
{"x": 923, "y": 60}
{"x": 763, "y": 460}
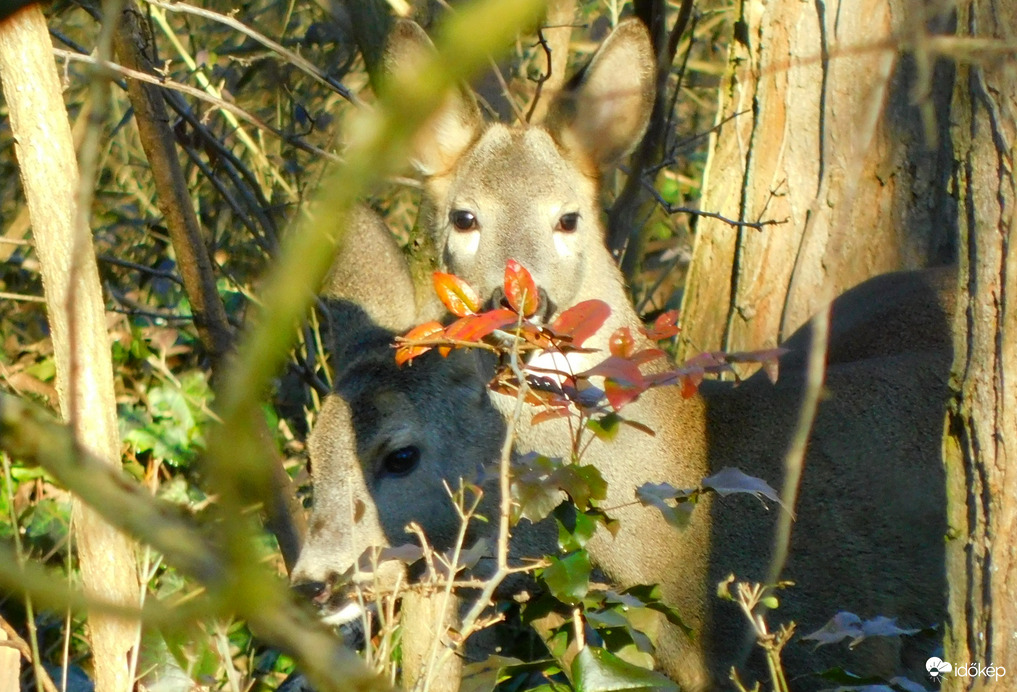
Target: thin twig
{"x": 198, "y": 94}
{"x": 292, "y": 57}
{"x": 543, "y": 77}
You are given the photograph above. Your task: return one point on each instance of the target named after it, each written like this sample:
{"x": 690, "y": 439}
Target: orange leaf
{"x": 457, "y": 295}
{"x": 407, "y": 351}
{"x": 664, "y": 327}
{"x": 520, "y": 289}
{"x": 475, "y": 327}
{"x": 621, "y": 343}
{"x": 547, "y": 414}
{"x": 582, "y": 320}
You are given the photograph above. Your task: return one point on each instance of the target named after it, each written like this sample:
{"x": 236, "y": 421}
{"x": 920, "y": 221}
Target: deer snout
{"x": 545, "y": 309}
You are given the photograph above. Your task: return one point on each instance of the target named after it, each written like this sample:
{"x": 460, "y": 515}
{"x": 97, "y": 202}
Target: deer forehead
{"x": 518, "y": 175}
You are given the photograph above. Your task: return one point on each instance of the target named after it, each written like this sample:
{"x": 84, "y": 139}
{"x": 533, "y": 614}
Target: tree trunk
{"x": 981, "y": 420}
{"x": 818, "y": 133}
{"x": 49, "y": 174}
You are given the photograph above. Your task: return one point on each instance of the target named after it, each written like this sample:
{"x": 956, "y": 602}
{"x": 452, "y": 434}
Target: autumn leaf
{"x": 615, "y": 368}
{"x": 550, "y": 413}
{"x": 619, "y": 394}
{"x": 520, "y": 289}
{"x": 475, "y": 327}
{"x": 664, "y": 327}
{"x": 621, "y": 343}
{"x": 581, "y": 321}
{"x": 407, "y": 351}
{"x": 457, "y": 295}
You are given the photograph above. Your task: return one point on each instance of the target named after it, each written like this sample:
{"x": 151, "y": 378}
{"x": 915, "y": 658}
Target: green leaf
{"x": 568, "y": 578}
{"x": 597, "y": 670}
{"x": 606, "y": 427}
{"x": 575, "y": 528}
{"x": 583, "y": 483}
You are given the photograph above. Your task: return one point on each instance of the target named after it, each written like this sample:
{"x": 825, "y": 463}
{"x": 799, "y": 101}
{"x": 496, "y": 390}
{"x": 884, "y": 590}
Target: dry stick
{"x": 286, "y": 518}
{"x": 59, "y": 203}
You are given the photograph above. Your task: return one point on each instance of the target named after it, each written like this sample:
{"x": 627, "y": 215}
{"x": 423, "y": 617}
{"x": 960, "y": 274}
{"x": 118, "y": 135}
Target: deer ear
{"x": 604, "y": 109}
{"x": 455, "y": 125}
{"x": 371, "y": 272}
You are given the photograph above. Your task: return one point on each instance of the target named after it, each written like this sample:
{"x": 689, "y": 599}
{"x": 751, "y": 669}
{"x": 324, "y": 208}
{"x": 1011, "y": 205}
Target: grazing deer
{"x": 871, "y": 518}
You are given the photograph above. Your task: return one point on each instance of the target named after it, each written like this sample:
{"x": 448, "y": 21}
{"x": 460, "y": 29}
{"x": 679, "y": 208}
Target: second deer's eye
{"x": 463, "y": 220}
{"x": 568, "y": 222}
{"x": 401, "y": 462}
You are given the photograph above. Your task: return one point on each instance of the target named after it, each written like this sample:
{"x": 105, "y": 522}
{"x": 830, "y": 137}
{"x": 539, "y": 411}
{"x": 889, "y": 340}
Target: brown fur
{"x": 870, "y": 524}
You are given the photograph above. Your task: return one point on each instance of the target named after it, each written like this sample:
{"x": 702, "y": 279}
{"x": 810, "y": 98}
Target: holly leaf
{"x": 676, "y": 505}
{"x": 581, "y": 321}
{"x": 520, "y": 289}
{"x": 458, "y": 296}
{"x": 729, "y": 480}
{"x": 598, "y": 670}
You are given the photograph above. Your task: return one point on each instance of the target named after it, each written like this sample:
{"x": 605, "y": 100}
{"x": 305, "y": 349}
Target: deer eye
{"x": 463, "y": 220}
{"x": 401, "y": 462}
{"x": 568, "y": 222}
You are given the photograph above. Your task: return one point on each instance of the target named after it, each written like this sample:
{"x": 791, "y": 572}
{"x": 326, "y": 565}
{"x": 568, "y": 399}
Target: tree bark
{"x": 981, "y": 421}
{"x": 818, "y": 132}
{"x": 75, "y": 306}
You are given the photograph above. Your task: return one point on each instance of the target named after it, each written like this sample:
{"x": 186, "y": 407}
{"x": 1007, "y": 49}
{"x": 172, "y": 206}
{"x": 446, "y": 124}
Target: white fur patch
{"x": 463, "y": 244}
{"x": 552, "y": 360}
{"x": 561, "y": 246}
{"x": 348, "y": 613}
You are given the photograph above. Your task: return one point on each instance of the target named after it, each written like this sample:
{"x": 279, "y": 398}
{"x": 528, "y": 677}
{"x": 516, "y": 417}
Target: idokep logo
{"x": 938, "y": 668}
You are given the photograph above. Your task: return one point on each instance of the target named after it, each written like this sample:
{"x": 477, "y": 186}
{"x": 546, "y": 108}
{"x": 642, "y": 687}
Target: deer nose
{"x": 313, "y": 591}
{"x": 545, "y": 308}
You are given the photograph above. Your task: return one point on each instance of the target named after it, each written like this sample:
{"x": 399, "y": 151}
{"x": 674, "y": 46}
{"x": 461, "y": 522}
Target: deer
{"x": 870, "y": 521}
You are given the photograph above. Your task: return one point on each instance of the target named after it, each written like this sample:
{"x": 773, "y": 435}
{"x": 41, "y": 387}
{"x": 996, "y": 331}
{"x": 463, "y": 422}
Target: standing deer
{"x": 871, "y": 516}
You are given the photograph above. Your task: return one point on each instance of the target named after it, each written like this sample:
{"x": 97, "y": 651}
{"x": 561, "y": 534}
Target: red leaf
{"x": 618, "y": 394}
{"x": 473, "y": 328}
{"x": 621, "y": 343}
{"x": 407, "y": 351}
{"x": 457, "y": 295}
{"x": 582, "y": 320}
{"x": 663, "y": 327}
{"x": 620, "y": 370}
{"x": 647, "y": 355}
{"x": 552, "y": 413}
{"x": 520, "y": 289}
{"x": 689, "y": 387}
